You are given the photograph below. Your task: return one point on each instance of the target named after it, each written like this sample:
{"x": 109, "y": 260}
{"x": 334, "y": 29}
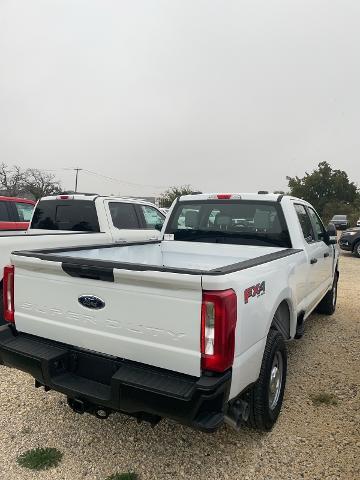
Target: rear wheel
{"x": 327, "y": 305}
{"x": 357, "y": 249}
{"x": 266, "y": 396}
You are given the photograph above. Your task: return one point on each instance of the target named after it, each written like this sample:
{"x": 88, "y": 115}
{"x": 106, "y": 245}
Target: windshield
{"x": 240, "y": 222}
{"x": 339, "y": 217}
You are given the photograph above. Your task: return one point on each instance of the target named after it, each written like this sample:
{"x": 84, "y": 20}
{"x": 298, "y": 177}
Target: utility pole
{"x": 77, "y": 170}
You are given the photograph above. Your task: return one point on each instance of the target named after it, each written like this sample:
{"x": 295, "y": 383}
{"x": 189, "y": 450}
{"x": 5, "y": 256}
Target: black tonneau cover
{"x": 103, "y": 269}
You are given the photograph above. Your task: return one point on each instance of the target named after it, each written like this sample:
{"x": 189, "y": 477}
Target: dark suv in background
{"x": 350, "y": 241}
{"x": 341, "y": 222}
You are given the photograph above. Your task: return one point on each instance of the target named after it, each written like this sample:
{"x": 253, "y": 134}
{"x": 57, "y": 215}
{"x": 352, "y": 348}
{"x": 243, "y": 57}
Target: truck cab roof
{"x": 93, "y": 197}
{"x": 270, "y": 197}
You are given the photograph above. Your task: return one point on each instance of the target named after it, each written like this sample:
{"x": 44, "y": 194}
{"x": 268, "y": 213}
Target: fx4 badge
{"x": 254, "y": 291}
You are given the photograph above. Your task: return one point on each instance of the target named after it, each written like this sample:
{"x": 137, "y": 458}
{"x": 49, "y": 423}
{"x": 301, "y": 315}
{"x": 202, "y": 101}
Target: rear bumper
{"x": 100, "y": 381}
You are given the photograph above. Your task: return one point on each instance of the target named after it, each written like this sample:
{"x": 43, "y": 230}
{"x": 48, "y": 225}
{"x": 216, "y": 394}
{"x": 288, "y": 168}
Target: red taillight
{"x": 218, "y": 323}
{"x": 8, "y": 293}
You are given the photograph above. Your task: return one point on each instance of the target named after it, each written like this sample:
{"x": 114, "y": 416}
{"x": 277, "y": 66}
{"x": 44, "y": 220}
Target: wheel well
{"x": 281, "y": 320}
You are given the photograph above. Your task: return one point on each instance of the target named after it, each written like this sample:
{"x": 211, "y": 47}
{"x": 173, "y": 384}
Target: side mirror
{"x": 331, "y": 234}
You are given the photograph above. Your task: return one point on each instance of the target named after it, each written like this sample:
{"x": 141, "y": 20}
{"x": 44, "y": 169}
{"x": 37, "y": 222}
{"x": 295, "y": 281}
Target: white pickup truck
{"x": 74, "y": 220}
{"x": 191, "y": 327}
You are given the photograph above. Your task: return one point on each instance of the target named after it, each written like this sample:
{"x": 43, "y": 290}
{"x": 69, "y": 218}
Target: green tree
{"x": 325, "y": 186}
{"x": 167, "y": 198}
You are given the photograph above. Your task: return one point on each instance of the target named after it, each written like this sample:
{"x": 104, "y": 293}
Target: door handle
{"x": 326, "y": 254}
{"x": 313, "y": 260}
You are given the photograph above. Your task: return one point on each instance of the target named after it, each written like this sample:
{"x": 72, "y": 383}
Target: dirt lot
{"x": 308, "y": 442}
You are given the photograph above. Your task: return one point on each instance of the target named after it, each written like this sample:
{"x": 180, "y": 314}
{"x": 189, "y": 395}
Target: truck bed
{"x": 176, "y": 256}
{"x": 152, "y": 293}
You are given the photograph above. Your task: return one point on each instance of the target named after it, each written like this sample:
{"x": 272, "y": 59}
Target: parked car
{"x": 341, "y": 222}
{"x": 74, "y": 220}
{"x": 350, "y": 241}
{"x": 15, "y": 213}
{"x": 358, "y": 223}
{"x": 190, "y": 327}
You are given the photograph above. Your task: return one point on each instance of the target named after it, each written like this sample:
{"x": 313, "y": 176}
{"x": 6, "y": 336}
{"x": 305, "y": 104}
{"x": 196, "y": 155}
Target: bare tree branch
{"x": 12, "y": 180}
{"x": 41, "y": 184}
{"x": 16, "y": 182}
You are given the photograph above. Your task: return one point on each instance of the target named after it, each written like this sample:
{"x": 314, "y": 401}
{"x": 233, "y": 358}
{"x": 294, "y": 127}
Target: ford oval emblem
{"x": 90, "y": 301}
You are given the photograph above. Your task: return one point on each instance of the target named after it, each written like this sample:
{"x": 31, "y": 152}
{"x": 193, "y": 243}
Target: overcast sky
{"x": 224, "y": 95}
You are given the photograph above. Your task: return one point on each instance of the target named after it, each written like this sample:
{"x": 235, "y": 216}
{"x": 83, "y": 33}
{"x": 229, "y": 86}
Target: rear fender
{"x": 285, "y": 297}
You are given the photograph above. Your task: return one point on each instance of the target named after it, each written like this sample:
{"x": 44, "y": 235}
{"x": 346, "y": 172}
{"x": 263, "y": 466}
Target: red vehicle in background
{"x": 15, "y": 213}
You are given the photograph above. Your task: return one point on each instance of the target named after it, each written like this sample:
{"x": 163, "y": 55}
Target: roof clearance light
{"x": 65, "y": 197}
{"x": 225, "y": 196}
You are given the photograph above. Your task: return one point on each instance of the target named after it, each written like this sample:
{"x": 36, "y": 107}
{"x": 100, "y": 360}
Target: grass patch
{"x": 26, "y": 430}
{"x": 40, "y": 458}
{"x": 123, "y": 476}
{"x": 324, "y": 399}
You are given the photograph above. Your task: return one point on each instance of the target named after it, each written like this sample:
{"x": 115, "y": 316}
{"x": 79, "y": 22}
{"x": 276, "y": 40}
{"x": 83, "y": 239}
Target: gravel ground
{"x": 308, "y": 442}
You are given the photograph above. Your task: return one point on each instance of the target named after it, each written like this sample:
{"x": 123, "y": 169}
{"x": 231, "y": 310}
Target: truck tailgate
{"x": 150, "y": 317}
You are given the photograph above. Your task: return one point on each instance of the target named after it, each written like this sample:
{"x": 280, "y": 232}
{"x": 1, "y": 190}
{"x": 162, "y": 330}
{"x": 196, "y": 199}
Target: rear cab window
{"x": 243, "y": 222}
{"x": 70, "y": 215}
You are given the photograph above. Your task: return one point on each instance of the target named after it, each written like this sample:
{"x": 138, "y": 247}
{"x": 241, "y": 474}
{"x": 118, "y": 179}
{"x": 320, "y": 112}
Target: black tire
{"x": 356, "y": 249}
{"x": 327, "y": 306}
{"x": 263, "y": 413}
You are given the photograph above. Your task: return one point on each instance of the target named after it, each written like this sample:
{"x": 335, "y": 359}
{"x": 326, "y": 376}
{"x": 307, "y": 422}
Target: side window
{"x": 154, "y": 220}
{"x": 4, "y": 215}
{"x": 305, "y": 223}
{"x": 124, "y": 215}
{"x": 24, "y": 211}
{"x": 318, "y": 225}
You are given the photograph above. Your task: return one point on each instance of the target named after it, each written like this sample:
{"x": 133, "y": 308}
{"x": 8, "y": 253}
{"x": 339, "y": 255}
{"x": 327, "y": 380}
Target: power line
{"x": 124, "y": 181}
{"x": 107, "y": 177}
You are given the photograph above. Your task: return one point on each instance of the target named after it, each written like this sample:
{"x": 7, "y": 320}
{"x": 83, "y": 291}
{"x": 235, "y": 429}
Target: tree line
{"x": 329, "y": 190}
